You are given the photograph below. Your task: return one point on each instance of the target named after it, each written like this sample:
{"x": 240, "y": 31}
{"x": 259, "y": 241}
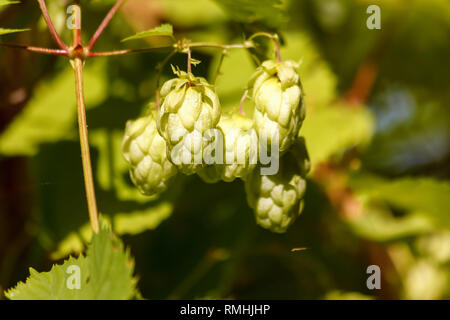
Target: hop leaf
{"x": 145, "y": 152}
{"x": 162, "y": 30}
{"x": 190, "y": 110}
{"x": 279, "y": 106}
{"x": 277, "y": 199}
{"x": 105, "y": 273}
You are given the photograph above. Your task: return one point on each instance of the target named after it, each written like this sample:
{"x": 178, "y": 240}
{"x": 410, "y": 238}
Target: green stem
{"x": 177, "y": 46}
{"x": 222, "y": 57}
{"x": 273, "y": 37}
{"x": 219, "y": 46}
{"x": 84, "y": 142}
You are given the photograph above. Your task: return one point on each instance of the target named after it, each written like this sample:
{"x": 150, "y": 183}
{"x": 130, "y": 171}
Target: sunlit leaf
{"x": 106, "y": 273}
{"x": 162, "y": 30}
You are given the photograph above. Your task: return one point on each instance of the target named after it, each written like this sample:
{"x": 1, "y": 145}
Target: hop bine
{"x": 145, "y": 152}
{"x": 279, "y": 106}
{"x": 190, "y": 109}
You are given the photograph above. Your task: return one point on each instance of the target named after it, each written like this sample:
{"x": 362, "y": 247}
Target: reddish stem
{"x": 50, "y": 25}
{"x": 58, "y": 52}
{"x": 241, "y": 104}
{"x": 126, "y": 51}
{"x": 104, "y": 24}
{"x": 189, "y": 68}
{"x": 76, "y": 41}
{"x": 108, "y": 53}
{"x": 277, "y": 50}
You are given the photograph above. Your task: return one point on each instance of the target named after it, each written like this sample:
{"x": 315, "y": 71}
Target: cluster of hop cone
{"x": 190, "y": 125}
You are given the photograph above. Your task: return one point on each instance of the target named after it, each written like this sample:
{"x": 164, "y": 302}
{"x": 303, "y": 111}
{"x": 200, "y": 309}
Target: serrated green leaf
{"x": 50, "y": 285}
{"x": 110, "y": 268}
{"x": 8, "y": 31}
{"x": 106, "y": 273}
{"x": 426, "y": 196}
{"x": 162, "y": 30}
{"x": 50, "y": 115}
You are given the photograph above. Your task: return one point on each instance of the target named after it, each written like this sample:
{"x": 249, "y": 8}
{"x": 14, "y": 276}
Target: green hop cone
{"x": 238, "y": 144}
{"x": 145, "y": 152}
{"x": 277, "y": 199}
{"x": 279, "y": 103}
{"x": 190, "y": 109}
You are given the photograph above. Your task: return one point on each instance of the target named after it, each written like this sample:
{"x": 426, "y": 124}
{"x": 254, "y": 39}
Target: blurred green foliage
{"x": 389, "y": 153}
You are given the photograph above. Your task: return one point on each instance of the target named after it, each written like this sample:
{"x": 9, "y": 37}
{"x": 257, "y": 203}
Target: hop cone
{"x": 277, "y": 199}
{"x": 190, "y": 108}
{"x": 239, "y": 145}
{"x": 145, "y": 152}
{"x": 279, "y": 106}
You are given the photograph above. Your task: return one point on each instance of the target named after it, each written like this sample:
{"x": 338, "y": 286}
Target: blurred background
{"x": 377, "y": 130}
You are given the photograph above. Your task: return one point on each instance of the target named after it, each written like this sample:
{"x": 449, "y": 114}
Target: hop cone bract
{"x": 238, "y": 144}
{"x": 145, "y": 152}
{"x": 279, "y": 105}
{"x": 190, "y": 108}
{"x": 277, "y": 199}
